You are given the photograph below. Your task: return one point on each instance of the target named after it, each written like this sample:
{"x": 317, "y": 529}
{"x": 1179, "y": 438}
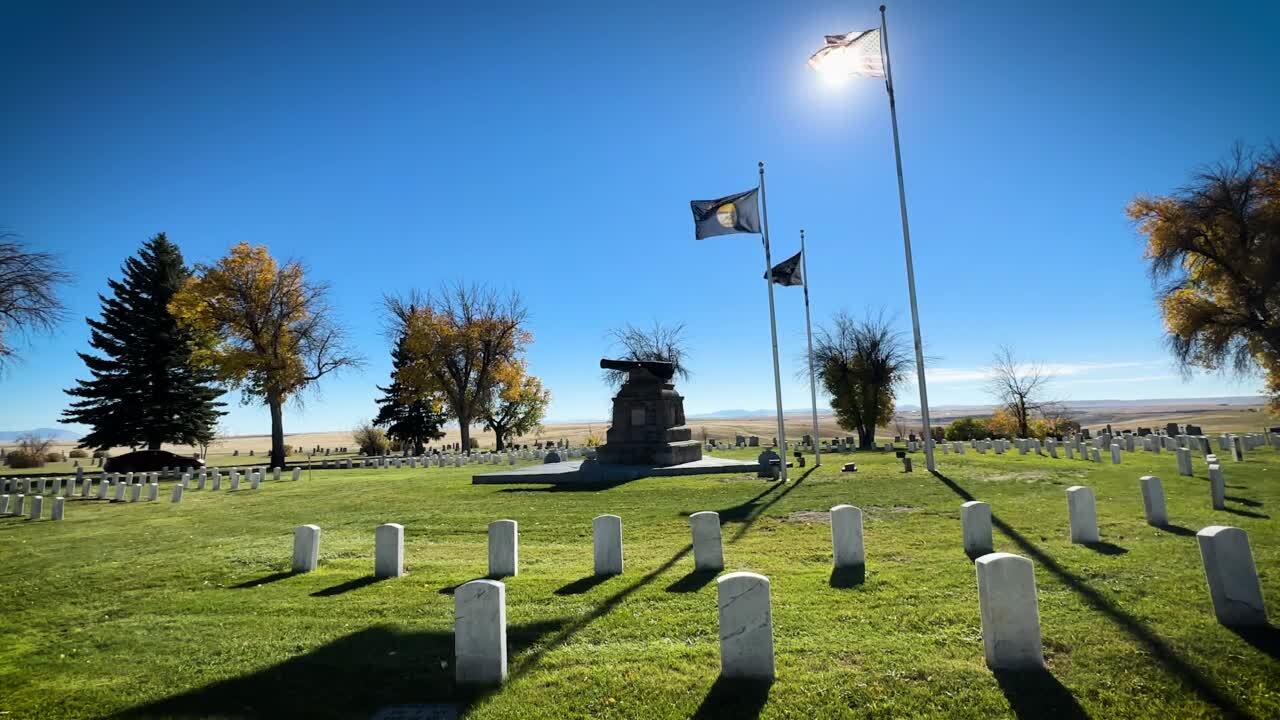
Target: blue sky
{"x": 553, "y": 149}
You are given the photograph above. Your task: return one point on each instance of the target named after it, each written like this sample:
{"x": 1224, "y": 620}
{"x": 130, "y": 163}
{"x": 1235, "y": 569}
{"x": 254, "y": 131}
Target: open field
{"x": 157, "y": 610}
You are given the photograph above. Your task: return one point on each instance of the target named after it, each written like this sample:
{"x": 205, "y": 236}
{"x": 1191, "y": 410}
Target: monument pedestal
{"x": 648, "y": 419}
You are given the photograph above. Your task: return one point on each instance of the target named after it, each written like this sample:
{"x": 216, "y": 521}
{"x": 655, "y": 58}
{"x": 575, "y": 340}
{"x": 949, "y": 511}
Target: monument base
{"x": 587, "y": 472}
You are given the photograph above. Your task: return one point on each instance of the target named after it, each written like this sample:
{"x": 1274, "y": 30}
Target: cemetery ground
{"x": 189, "y": 610}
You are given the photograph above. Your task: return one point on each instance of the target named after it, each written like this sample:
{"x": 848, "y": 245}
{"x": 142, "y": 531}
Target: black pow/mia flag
{"x": 787, "y": 272}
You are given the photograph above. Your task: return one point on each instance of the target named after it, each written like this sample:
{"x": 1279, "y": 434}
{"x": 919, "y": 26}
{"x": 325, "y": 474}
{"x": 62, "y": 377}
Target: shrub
{"x": 371, "y": 440}
{"x": 967, "y": 429}
{"x": 23, "y": 459}
{"x": 53, "y": 457}
{"x": 78, "y": 453}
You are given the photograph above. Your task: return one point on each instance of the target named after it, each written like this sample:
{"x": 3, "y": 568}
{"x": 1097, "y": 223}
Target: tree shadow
{"x": 352, "y": 676}
{"x": 1248, "y": 513}
{"x": 1265, "y": 638}
{"x": 1178, "y": 530}
{"x": 734, "y": 699}
{"x": 265, "y": 580}
{"x": 1159, "y": 650}
{"x": 693, "y": 582}
{"x": 348, "y": 586}
{"x": 847, "y": 577}
{"x": 1038, "y": 694}
{"x": 759, "y": 510}
{"x": 581, "y": 585}
{"x": 1105, "y": 548}
{"x": 576, "y": 486}
{"x": 1243, "y": 501}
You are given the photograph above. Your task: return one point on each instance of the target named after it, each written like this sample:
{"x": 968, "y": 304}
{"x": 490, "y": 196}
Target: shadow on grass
{"x": 449, "y": 589}
{"x": 1159, "y": 650}
{"x": 347, "y": 586}
{"x": 352, "y": 676}
{"x": 1243, "y": 501}
{"x": 847, "y": 577}
{"x": 571, "y": 487}
{"x": 693, "y": 582}
{"x": 1266, "y": 638}
{"x": 1178, "y": 530}
{"x": 1103, "y": 547}
{"x": 265, "y": 580}
{"x": 581, "y": 585}
{"x": 734, "y": 699}
{"x": 1248, "y": 513}
{"x": 1038, "y": 694}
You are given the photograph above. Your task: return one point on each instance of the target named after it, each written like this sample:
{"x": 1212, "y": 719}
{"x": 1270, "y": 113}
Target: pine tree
{"x": 145, "y": 390}
{"x": 411, "y": 421}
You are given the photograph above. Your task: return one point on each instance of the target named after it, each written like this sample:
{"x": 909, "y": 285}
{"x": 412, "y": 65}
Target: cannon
{"x": 662, "y": 370}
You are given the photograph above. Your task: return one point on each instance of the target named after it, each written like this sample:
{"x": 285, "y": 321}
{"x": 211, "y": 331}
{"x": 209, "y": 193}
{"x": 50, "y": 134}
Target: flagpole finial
{"x": 761, "y": 164}
{"x": 881, "y": 9}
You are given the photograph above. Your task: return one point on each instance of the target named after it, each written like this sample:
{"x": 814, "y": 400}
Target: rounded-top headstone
{"x": 708, "y": 553}
{"x": 1009, "y": 612}
{"x": 746, "y": 626}
{"x": 1232, "y": 576}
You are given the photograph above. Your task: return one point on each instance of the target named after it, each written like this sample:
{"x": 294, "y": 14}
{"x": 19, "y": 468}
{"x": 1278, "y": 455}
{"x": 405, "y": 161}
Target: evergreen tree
{"x": 145, "y": 390}
{"x": 410, "y": 419}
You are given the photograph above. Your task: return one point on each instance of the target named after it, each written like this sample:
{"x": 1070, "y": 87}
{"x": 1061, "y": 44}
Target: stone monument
{"x": 648, "y": 418}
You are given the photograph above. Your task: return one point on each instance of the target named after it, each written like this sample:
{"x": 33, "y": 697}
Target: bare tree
{"x": 1018, "y": 386}
{"x": 28, "y": 292}
{"x": 665, "y": 343}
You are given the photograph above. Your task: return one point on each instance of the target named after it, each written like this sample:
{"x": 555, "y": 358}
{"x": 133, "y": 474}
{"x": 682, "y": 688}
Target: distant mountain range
{"x": 55, "y": 433}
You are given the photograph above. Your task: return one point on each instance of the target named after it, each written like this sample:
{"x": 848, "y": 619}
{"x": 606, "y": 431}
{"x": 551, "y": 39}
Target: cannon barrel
{"x": 663, "y": 370}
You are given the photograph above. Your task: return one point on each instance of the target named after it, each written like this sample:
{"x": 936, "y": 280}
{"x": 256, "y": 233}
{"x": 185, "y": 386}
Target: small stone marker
{"x": 217, "y": 480}
{"x": 975, "y": 526}
{"x": 37, "y": 506}
{"x": 177, "y": 493}
{"x": 102, "y": 489}
{"x": 1153, "y": 504}
{"x": 746, "y": 626}
{"x": 1237, "y": 448}
{"x": 72, "y": 483}
{"x": 606, "y": 533}
{"x": 1010, "y": 616}
{"x": 235, "y": 479}
{"x": 297, "y": 474}
{"x": 306, "y": 548}
{"x": 135, "y": 493}
{"x": 1094, "y": 455}
{"x": 86, "y": 487}
{"x": 59, "y": 504}
{"x": 255, "y": 479}
{"x": 1083, "y": 515}
{"x": 1232, "y": 576}
{"x": 275, "y": 473}
{"x": 707, "y": 552}
{"x": 4, "y": 504}
{"x": 847, "y": 550}
{"x": 480, "y": 633}
{"x": 504, "y": 548}
{"x": 1183, "y": 457}
{"x": 18, "y": 503}
{"x": 388, "y": 550}
{"x": 120, "y": 491}
{"x": 1115, "y": 453}
{"x": 1217, "y": 487}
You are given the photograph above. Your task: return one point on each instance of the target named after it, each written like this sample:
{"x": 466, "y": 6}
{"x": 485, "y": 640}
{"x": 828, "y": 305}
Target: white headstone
{"x": 707, "y": 552}
{"x": 746, "y": 626}
{"x": 1009, "y": 612}
{"x": 297, "y": 474}
{"x": 1232, "y": 576}
{"x": 102, "y": 489}
{"x": 135, "y": 493}
{"x": 4, "y": 504}
{"x": 1153, "y": 504}
{"x": 606, "y": 533}
{"x": 255, "y": 479}
{"x": 1082, "y": 514}
{"x": 504, "y": 549}
{"x": 18, "y": 503}
{"x": 1237, "y": 448}
{"x": 37, "y": 506}
{"x": 275, "y": 474}
{"x": 1115, "y": 453}
{"x": 846, "y": 537}
{"x": 120, "y": 489}
{"x": 177, "y": 493}
{"x": 388, "y": 550}
{"x": 86, "y": 487}
{"x": 480, "y": 633}
{"x": 59, "y": 503}
{"x": 1217, "y": 487}
{"x": 975, "y": 526}
{"x": 306, "y": 548}
{"x": 153, "y": 490}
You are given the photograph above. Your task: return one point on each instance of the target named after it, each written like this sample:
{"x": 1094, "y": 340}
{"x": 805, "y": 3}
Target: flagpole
{"x": 773, "y": 325}
{"x": 808, "y": 329}
{"x": 906, "y": 244}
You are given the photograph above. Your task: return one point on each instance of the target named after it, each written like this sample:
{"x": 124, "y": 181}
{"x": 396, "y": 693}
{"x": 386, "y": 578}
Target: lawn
{"x": 157, "y": 610}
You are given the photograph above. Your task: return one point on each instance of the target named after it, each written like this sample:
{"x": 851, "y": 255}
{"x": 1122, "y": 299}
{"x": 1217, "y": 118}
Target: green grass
{"x": 158, "y": 610}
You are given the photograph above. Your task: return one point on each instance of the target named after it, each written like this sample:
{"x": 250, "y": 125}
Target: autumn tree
{"x": 1214, "y": 252}
{"x": 1019, "y": 387}
{"x": 144, "y": 387}
{"x": 412, "y": 416}
{"x": 518, "y": 405}
{"x": 861, "y": 364}
{"x": 460, "y": 341}
{"x": 263, "y": 328}
{"x": 29, "y": 301}
{"x": 660, "y": 342}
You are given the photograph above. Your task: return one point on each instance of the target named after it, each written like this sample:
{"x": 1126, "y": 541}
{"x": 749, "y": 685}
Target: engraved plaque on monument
{"x": 648, "y": 418}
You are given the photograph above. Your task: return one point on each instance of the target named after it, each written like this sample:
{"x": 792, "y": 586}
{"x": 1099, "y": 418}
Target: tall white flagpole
{"x": 808, "y": 329}
{"x": 773, "y": 325}
{"x": 906, "y": 244}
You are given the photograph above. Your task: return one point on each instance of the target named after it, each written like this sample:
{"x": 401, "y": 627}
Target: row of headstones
{"x": 1116, "y": 448}
{"x": 454, "y": 460}
{"x": 125, "y": 488}
{"x": 1007, "y": 602}
{"x": 33, "y": 509}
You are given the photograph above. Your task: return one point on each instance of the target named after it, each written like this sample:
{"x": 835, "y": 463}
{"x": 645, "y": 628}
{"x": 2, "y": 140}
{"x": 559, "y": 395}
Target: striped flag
{"x": 854, "y": 53}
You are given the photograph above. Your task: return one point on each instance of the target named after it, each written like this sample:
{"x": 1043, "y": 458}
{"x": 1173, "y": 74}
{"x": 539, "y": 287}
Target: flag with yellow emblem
{"x": 733, "y": 214}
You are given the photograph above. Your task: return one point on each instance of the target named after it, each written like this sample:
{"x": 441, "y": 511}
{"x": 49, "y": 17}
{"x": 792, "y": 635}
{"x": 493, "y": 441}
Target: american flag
{"x": 854, "y": 53}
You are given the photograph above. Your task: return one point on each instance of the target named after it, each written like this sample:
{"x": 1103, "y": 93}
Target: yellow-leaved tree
{"x": 1215, "y": 247}
{"x": 460, "y": 341}
{"x": 518, "y": 404}
{"x": 263, "y": 328}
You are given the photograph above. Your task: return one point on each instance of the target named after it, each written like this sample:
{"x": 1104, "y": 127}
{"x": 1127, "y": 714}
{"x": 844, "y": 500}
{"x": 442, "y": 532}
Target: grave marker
{"x": 388, "y": 550}
{"x": 606, "y": 532}
{"x": 707, "y": 551}
{"x": 1009, "y": 612}
{"x": 504, "y": 548}
{"x": 480, "y": 633}
{"x": 847, "y": 548}
{"x": 1232, "y": 576}
{"x": 306, "y": 548}
{"x": 1082, "y": 513}
{"x": 975, "y": 526}
{"x": 1153, "y": 504}
{"x": 746, "y": 626}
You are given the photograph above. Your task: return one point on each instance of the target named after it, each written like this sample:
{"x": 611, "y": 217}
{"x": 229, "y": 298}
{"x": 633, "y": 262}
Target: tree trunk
{"x": 153, "y": 444}
{"x": 498, "y": 433}
{"x": 464, "y": 428}
{"x": 277, "y": 432}
{"x": 867, "y": 438}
